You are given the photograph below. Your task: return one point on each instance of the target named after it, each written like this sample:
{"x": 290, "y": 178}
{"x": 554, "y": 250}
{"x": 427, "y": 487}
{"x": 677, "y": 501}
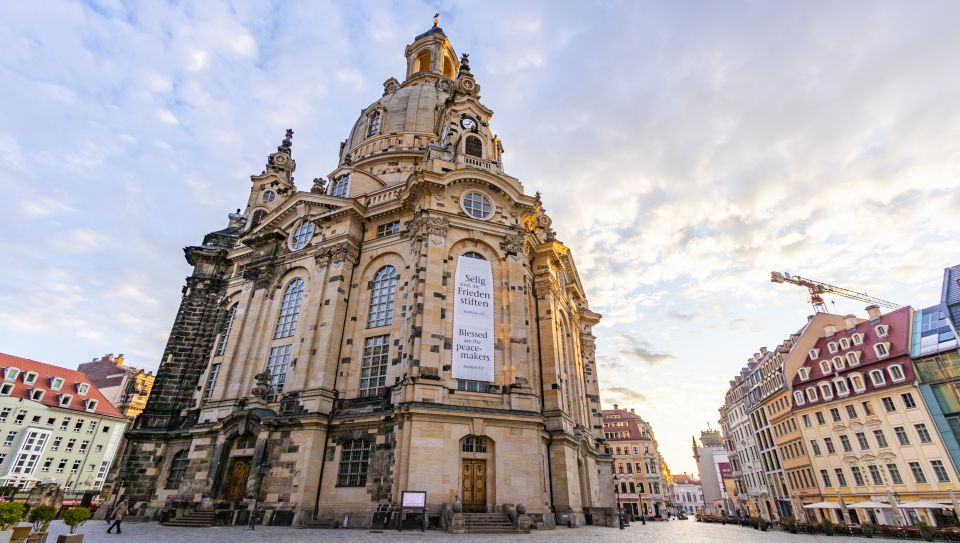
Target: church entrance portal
{"x": 237, "y": 479}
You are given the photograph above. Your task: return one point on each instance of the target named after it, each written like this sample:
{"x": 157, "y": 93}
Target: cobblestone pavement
{"x": 680, "y": 531}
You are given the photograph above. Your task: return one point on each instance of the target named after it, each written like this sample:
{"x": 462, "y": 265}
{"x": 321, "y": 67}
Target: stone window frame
{"x": 290, "y": 308}
{"x": 374, "y": 122}
{"x": 301, "y": 235}
{"x": 228, "y": 327}
{"x": 373, "y": 366}
{"x": 487, "y": 200}
{"x": 340, "y": 186}
{"x": 354, "y": 463}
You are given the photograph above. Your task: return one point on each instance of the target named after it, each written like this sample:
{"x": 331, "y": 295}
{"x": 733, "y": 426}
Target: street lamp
{"x": 261, "y": 473}
{"x": 616, "y": 492}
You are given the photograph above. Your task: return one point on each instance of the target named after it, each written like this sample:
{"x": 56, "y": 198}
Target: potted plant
{"x": 789, "y": 524}
{"x": 10, "y": 515}
{"x": 925, "y": 531}
{"x": 74, "y": 517}
{"x": 41, "y": 516}
{"x": 827, "y": 526}
{"x": 868, "y": 529}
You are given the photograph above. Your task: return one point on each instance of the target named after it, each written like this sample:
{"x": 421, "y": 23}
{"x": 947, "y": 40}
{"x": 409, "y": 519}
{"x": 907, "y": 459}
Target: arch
{"x": 473, "y": 146}
{"x": 482, "y": 248}
{"x": 474, "y": 254}
{"x": 447, "y": 67}
{"x": 290, "y": 309}
{"x": 383, "y": 290}
{"x": 178, "y": 467}
{"x": 423, "y": 61}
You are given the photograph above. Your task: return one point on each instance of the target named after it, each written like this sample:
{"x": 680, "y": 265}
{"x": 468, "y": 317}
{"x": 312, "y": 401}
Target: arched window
{"x": 838, "y": 363}
{"x": 354, "y": 459}
{"x": 876, "y": 376}
{"x": 826, "y": 391}
{"x": 477, "y": 444}
{"x": 383, "y": 289}
{"x": 374, "y": 127}
{"x": 178, "y": 466}
{"x": 290, "y": 309}
{"x": 852, "y": 359}
{"x": 473, "y": 147}
{"x": 340, "y": 186}
{"x": 257, "y": 217}
{"x": 825, "y": 367}
{"x": 896, "y": 373}
{"x": 228, "y": 325}
{"x": 474, "y": 254}
{"x": 842, "y": 388}
{"x": 300, "y": 236}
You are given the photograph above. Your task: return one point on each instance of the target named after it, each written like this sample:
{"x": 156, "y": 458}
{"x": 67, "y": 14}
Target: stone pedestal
{"x": 458, "y": 524}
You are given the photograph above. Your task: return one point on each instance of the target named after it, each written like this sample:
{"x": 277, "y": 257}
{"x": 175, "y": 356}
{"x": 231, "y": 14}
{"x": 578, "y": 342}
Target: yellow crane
{"x": 818, "y": 288}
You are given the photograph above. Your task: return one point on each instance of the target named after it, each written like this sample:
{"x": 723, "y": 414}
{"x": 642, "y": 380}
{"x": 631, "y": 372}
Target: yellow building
{"x": 873, "y": 446}
{"x": 126, "y": 387}
{"x": 640, "y": 476}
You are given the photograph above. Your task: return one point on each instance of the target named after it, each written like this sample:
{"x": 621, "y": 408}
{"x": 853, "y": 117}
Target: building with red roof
{"x": 56, "y": 426}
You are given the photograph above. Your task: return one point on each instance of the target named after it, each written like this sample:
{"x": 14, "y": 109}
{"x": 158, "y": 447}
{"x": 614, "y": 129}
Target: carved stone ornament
{"x": 260, "y": 273}
{"x": 336, "y": 254}
{"x": 434, "y": 227}
{"x": 514, "y": 244}
{"x": 319, "y": 186}
{"x": 263, "y": 387}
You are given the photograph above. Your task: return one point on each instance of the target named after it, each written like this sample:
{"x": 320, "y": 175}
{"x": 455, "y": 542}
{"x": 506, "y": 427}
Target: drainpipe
{"x": 336, "y": 374}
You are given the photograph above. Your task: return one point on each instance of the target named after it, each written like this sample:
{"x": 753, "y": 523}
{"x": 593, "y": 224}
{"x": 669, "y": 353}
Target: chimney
{"x": 873, "y": 312}
{"x": 850, "y": 321}
{"x": 615, "y": 406}
{"x": 809, "y": 319}
{"x": 634, "y": 411}
{"x": 763, "y": 350}
{"x": 829, "y": 330}
{"x": 119, "y": 359}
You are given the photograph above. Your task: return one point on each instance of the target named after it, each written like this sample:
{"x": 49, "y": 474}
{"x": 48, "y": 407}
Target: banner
{"x": 473, "y": 320}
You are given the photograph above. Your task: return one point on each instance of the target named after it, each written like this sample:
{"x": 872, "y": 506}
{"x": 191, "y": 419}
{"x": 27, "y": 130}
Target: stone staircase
{"x": 192, "y": 519}
{"x": 488, "y": 523}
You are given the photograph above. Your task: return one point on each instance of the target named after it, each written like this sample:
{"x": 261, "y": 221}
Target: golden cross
{"x": 436, "y": 19}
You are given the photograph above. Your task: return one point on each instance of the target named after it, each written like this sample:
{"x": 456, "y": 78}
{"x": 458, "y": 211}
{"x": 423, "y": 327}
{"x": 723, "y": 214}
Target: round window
{"x": 300, "y": 236}
{"x": 269, "y": 196}
{"x": 476, "y": 205}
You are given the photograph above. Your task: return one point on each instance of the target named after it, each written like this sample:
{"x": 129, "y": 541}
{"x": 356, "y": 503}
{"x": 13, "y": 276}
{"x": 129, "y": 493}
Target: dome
{"x": 408, "y": 109}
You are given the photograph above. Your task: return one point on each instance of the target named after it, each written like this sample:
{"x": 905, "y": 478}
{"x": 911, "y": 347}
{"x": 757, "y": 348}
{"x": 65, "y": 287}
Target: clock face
{"x": 468, "y": 123}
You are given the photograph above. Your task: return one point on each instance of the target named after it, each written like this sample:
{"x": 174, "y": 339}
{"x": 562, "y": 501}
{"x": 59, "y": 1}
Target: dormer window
{"x": 11, "y": 374}
{"x": 882, "y": 349}
{"x": 814, "y": 354}
{"x": 832, "y": 346}
{"x": 6, "y": 389}
{"x": 842, "y": 388}
{"x": 373, "y": 126}
{"x": 82, "y": 388}
{"x": 838, "y": 363}
{"x": 856, "y": 380}
{"x": 812, "y": 394}
{"x": 36, "y": 394}
{"x": 30, "y": 377}
{"x": 882, "y": 330}
{"x": 857, "y": 338}
{"x": 798, "y": 398}
{"x": 825, "y": 367}
{"x": 844, "y": 343}
{"x": 91, "y": 405}
{"x": 853, "y": 358}
{"x": 804, "y": 373}
{"x": 896, "y": 373}
{"x": 826, "y": 391}
{"x": 877, "y": 378}
{"x": 56, "y": 383}
{"x": 340, "y": 186}
{"x": 64, "y": 400}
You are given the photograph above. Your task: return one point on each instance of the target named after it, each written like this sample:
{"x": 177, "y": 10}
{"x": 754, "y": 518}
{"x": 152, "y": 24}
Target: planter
{"x": 5, "y": 536}
{"x": 70, "y": 538}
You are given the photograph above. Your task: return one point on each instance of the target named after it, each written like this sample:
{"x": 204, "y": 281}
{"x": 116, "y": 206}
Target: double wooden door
{"x": 474, "y": 490}
{"x": 237, "y": 480}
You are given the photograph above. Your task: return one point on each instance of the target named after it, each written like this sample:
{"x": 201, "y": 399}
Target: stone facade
{"x": 641, "y": 488}
{"x": 309, "y": 369}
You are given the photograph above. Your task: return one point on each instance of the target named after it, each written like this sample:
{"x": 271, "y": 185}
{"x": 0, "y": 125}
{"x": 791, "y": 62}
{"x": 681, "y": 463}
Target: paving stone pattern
{"x": 681, "y": 531}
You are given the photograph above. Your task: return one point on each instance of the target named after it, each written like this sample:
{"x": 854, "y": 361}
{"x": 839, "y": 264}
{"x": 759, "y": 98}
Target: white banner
{"x": 473, "y": 320}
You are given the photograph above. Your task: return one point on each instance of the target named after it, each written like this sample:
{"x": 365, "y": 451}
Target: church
{"x": 408, "y": 324}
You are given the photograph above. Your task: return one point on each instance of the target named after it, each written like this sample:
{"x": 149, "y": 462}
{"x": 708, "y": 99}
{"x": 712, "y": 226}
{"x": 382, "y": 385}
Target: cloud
{"x": 626, "y": 394}
{"x": 642, "y": 350}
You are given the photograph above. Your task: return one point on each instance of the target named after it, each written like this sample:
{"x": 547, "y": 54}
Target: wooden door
{"x": 474, "y": 486}
{"x": 237, "y": 480}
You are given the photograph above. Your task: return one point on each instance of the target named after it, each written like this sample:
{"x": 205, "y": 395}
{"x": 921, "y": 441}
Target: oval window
{"x": 476, "y": 205}
{"x": 269, "y": 196}
{"x": 301, "y": 235}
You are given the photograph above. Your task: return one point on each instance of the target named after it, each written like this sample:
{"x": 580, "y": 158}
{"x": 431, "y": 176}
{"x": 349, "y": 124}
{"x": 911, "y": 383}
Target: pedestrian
{"x": 119, "y": 511}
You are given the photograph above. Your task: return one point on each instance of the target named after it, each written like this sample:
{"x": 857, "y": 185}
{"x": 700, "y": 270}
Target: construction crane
{"x": 817, "y": 289}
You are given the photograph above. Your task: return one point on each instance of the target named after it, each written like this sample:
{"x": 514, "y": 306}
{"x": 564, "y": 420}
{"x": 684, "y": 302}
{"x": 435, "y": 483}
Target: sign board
{"x": 473, "y": 320}
{"x": 726, "y": 471}
{"x": 413, "y": 500}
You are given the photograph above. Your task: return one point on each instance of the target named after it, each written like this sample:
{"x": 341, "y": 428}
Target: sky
{"x": 683, "y": 149}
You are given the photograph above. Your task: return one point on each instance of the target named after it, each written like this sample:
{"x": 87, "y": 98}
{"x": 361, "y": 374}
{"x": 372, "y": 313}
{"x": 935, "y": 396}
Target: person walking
{"x": 119, "y": 511}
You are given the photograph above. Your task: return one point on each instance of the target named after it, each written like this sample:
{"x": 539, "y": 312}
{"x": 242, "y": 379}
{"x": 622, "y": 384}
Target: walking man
{"x": 119, "y": 511}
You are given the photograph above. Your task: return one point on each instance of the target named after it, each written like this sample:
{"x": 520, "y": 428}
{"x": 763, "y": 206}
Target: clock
{"x": 468, "y": 122}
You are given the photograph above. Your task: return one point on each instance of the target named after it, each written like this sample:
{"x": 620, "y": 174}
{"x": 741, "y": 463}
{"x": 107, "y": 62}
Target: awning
{"x": 924, "y": 505}
{"x": 869, "y": 505}
{"x": 823, "y": 505}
